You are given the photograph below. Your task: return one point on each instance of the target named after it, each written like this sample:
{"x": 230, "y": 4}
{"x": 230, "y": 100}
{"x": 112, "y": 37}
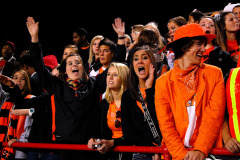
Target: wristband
{"x": 121, "y": 37}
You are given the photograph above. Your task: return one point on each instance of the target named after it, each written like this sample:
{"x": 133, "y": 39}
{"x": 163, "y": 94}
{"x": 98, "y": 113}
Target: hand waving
{"x": 33, "y": 28}
{"x": 119, "y": 27}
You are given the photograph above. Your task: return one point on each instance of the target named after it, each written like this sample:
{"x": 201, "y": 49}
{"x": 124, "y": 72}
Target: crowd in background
{"x": 146, "y": 89}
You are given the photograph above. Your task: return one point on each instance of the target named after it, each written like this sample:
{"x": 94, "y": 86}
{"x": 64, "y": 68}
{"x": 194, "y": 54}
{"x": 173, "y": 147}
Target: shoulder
{"x": 164, "y": 78}
{"x": 208, "y": 68}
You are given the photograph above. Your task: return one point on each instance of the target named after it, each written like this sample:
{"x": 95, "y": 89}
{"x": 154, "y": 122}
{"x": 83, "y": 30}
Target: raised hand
{"x": 7, "y": 81}
{"x": 150, "y": 79}
{"x": 33, "y": 28}
{"x": 119, "y": 27}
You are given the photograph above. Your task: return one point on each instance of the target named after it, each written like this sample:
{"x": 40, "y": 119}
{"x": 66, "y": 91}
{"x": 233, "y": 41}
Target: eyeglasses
{"x": 117, "y": 122}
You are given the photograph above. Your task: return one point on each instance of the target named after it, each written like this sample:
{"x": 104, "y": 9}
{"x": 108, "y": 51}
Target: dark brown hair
{"x": 133, "y": 81}
{"x": 62, "y": 69}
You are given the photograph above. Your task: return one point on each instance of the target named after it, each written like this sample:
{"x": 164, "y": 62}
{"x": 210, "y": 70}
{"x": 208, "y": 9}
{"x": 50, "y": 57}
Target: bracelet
{"x": 121, "y": 37}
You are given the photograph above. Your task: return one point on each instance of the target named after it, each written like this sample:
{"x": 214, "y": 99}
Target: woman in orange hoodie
{"x": 190, "y": 98}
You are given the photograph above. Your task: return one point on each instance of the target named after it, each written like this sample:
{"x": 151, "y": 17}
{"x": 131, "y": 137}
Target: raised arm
{"x": 36, "y": 53}
{"x": 33, "y": 28}
{"x": 119, "y": 28}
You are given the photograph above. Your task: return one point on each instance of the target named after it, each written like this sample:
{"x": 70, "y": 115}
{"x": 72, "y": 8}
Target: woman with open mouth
{"x": 75, "y": 102}
{"x": 138, "y": 109}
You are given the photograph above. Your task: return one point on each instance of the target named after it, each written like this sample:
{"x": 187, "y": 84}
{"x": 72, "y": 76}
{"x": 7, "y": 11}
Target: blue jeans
{"x": 36, "y": 155}
{"x": 142, "y": 156}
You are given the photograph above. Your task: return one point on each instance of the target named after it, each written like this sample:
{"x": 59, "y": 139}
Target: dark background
{"x": 57, "y": 23}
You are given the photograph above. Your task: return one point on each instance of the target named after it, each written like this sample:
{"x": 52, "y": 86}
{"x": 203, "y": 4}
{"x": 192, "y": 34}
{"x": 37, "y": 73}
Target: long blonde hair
{"x": 123, "y": 72}
{"x": 91, "y": 54}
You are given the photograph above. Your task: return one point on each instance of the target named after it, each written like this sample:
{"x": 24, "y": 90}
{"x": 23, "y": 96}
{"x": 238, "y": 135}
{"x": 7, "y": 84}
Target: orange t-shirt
{"x": 206, "y": 55}
{"x": 232, "y": 47}
{"x": 111, "y": 117}
{"x": 142, "y": 90}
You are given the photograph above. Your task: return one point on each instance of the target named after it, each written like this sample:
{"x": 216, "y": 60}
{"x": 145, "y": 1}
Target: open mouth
{"x": 75, "y": 71}
{"x": 141, "y": 70}
{"x": 207, "y": 32}
{"x": 200, "y": 55}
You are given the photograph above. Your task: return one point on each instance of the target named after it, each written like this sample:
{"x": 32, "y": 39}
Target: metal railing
{"x": 137, "y": 149}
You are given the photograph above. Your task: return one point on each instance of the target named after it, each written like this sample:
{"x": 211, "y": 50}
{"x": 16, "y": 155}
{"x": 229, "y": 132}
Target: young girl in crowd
{"x": 137, "y": 106}
{"x": 94, "y": 50}
{"x": 214, "y": 54}
{"x": 112, "y": 135}
{"x": 229, "y": 27}
{"x": 13, "y": 127}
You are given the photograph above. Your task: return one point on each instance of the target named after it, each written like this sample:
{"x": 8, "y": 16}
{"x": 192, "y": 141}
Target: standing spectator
{"x": 135, "y": 32}
{"x": 74, "y": 98}
{"x": 111, "y": 112}
{"x": 16, "y": 128}
{"x": 109, "y": 51}
{"x": 229, "y": 27}
{"x": 27, "y": 65}
{"x": 138, "y": 109}
{"x": 235, "y": 8}
{"x": 94, "y": 49}
{"x": 173, "y": 25}
{"x": 190, "y": 98}
{"x": 80, "y": 40}
{"x": 214, "y": 55}
{"x": 8, "y": 63}
{"x": 195, "y": 16}
{"x": 68, "y": 49}
{"x": 230, "y": 130}
{"x": 151, "y": 39}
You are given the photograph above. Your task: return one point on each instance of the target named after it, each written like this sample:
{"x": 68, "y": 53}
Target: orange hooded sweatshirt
{"x": 172, "y": 112}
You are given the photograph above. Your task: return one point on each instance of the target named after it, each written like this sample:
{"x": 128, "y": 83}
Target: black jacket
{"x": 221, "y": 59}
{"x": 76, "y": 117}
{"x": 136, "y": 130}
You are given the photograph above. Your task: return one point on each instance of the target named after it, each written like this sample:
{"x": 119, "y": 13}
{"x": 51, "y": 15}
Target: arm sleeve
{"x": 166, "y": 122}
{"x": 44, "y": 75}
{"x": 212, "y": 117}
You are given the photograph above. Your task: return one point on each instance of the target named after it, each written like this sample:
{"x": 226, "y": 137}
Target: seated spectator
{"x": 190, "y": 98}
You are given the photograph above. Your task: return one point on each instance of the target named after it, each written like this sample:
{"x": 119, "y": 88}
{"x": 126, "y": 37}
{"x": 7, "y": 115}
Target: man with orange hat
{"x": 190, "y": 98}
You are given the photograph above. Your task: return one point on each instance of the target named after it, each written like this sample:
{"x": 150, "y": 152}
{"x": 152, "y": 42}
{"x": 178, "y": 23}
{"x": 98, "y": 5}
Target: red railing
{"x": 138, "y": 149}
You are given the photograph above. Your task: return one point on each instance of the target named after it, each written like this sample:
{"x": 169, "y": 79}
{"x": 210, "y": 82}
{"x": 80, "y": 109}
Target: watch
{"x": 31, "y": 111}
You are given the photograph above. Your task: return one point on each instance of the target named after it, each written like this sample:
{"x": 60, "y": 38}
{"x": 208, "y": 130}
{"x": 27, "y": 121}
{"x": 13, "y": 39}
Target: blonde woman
{"x": 117, "y": 76}
{"x": 94, "y": 49}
